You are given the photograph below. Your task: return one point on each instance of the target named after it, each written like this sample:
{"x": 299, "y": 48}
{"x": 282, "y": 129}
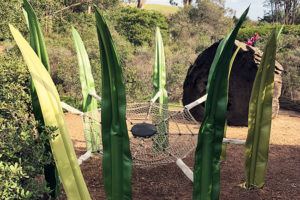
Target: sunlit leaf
{"x": 62, "y": 148}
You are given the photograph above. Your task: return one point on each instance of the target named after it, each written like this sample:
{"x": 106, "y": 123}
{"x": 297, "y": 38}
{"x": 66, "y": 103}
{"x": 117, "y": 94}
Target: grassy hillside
{"x": 163, "y": 9}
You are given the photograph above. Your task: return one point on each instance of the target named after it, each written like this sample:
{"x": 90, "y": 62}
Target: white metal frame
{"x": 179, "y": 162}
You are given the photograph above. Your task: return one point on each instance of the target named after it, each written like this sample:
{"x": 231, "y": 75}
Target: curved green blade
{"x": 159, "y": 83}
{"x": 279, "y": 32}
{"x": 117, "y": 161}
{"x": 224, "y": 145}
{"x": 260, "y": 118}
{"x": 207, "y": 155}
{"x": 61, "y": 145}
{"x": 91, "y": 119}
{"x": 36, "y": 37}
{"x": 38, "y": 45}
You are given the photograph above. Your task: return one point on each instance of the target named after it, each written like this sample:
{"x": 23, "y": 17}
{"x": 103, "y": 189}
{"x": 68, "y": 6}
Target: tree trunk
{"x": 272, "y": 10}
{"x": 187, "y": 2}
{"x": 141, "y": 4}
{"x": 89, "y": 9}
{"x": 287, "y": 11}
{"x": 295, "y": 4}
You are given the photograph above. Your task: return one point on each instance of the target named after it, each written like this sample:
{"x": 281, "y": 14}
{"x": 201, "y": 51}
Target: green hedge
{"x": 21, "y": 149}
{"x": 249, "y": 31}
{"x": 138, "y": 25}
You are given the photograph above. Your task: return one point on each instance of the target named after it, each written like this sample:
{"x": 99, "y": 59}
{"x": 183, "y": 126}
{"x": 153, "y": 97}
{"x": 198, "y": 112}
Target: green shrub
{"x": 11, "y": 12}
{"x": 264, "y": 31}
{"x": 208, "y": 19}
{"x": 63, "y": 59}
{"x": 138, "y": 25}
{"x": 21, "y": 149}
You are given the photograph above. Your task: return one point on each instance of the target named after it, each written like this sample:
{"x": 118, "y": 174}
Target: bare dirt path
{"x": 168, "y": 182}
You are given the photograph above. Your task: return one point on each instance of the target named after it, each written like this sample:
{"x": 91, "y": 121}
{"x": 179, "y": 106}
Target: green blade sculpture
{"x": 209, "y": 147}
{"x": 91, "y": 117}
{"x": 61, "y": 145}
{"x": 224, "y": 145}
{"x": 38, "y": 45}
{"x": 159, "y": 83}
{"x": 260, "y": 118}
{"x": 117, "y": 161}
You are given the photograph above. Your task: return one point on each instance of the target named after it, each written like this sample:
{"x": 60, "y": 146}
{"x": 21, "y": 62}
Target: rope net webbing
{"x": 175, "y": 137}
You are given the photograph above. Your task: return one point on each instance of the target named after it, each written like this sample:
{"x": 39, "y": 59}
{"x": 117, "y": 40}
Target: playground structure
{"x": 159, "y": 133}
{"x": 183, "y": 133}
{"x": 145, "y": 145}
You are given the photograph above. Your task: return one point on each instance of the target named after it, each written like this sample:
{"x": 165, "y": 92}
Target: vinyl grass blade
{"x": 260, "y": 117}
{"x": 279, "y": 32}
{"x": 210, "y": 137}
{"x": 61, "y": 145}
{"x": 117, "y": 161}
{"x": 159, "y": 83}
{"x": 26, "y": 17}
{"x": 36, "y": 37}
{"x": 224, "y": 145}
{"x": 38, "y": 45}
{"x": 91, "y": 127}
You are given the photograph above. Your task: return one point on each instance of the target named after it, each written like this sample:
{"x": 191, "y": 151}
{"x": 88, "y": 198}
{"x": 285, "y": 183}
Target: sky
{"x": 256, "y": 9}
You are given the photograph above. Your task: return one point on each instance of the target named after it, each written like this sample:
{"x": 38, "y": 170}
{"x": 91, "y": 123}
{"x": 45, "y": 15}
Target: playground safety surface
{"x": 167, "y": 182}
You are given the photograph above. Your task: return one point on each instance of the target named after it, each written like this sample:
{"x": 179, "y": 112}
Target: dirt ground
{"x": 168, "y": 182}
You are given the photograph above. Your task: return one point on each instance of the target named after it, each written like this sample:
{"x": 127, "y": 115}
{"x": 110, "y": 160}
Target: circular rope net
{"x": 159, "y": 134}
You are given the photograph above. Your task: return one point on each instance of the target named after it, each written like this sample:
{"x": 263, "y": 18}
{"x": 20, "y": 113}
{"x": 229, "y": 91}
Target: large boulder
{"x": 240, "y": 83}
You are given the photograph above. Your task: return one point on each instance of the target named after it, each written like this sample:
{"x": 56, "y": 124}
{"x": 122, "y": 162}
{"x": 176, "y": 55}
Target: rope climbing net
{"x": 159, "y": 134}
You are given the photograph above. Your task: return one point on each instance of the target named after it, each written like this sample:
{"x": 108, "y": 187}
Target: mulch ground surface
{"x": 168, "y": 182}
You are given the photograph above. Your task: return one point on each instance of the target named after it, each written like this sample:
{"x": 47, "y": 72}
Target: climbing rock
{"x": 240, "y": 83}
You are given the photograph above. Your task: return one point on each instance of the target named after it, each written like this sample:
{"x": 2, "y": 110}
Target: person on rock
{"x": 252, "y": 41}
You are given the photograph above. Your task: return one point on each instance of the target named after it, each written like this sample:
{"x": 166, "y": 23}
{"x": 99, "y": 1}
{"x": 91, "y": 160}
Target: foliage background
{"x": 21, "y": 149}
{"x": 186, "y": 33}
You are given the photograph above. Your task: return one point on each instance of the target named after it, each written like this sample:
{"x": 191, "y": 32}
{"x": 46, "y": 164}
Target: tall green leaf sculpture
{"x": 117, "y": 161}
{"x": 209, "y": 147}
{"x": 38, "y": 45}
{"x": 224, "y": 145}
{"x": 159, "y": 83}
{"x": 91, "y": 117}
{"x": 61, "y": 145}
{"x": 260, "y": 118}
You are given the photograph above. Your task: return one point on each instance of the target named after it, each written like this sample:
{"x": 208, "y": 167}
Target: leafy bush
{"x": 63, "y": 59}
{"x": 288, "y": 55}
{"x": 290, "y": 60}
{"x": 207, "y": 19}
{"x": 179, "y": 57}
{"x": 21, "y": 149}
{"x": 11, "y": 12}
{"x": 138, "y": 25}
{"x": 264, "y": 31}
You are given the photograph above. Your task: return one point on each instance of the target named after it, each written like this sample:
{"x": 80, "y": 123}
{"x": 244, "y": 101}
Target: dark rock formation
{"x": 240, "y": 83}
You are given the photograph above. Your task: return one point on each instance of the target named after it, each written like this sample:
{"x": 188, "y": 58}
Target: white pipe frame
{"x": 84, "y": 157}
{"x": 179, "y": 162}
{"x": 95, "y": 96}
{"x": 71, "y": 109}
{"x": 157, "y": 95}
{"x": 75, "y": 111}
{"x": 196, "y": 102}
